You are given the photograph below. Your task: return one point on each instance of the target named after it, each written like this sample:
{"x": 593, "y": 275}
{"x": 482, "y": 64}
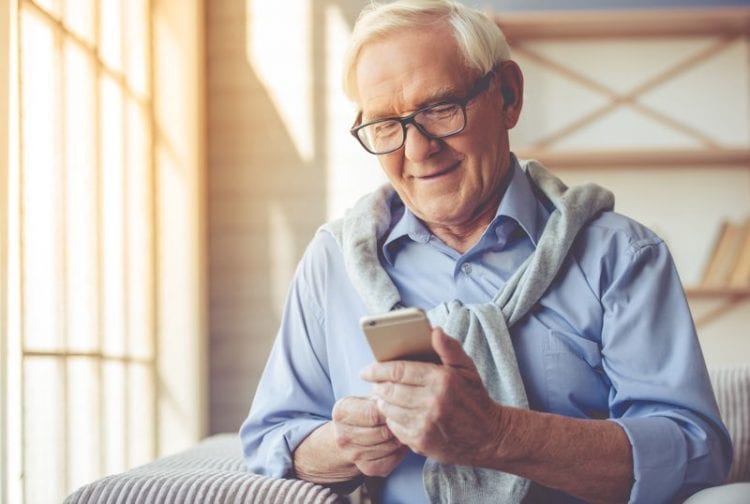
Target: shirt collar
{"x": 407, "y": 225}
{"x": 519, "y": 203}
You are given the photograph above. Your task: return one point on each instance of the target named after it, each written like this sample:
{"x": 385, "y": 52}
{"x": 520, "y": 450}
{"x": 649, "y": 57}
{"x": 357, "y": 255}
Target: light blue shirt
{"x": 612, "y": 338}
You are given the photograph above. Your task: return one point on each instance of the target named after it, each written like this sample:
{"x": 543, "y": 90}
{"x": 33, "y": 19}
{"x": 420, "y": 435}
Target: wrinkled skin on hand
{"x": 361, "y": 433}
{"x": 440, "y": 411}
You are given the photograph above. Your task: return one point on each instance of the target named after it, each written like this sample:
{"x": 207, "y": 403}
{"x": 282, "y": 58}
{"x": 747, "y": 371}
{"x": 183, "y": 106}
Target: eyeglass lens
{"x": 437, "y": 121}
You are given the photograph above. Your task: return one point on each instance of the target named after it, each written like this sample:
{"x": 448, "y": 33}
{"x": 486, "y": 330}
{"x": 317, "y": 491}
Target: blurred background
{"x": 163, "y": 164}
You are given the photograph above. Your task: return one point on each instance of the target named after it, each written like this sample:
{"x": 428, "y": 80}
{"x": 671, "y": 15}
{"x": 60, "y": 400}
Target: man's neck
{"x": 465, "y": 235}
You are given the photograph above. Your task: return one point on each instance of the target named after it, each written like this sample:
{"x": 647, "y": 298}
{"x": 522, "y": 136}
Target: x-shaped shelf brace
{"x": 725, "y": 25}
{"x": 727, "y": 301}
{"x": 616, "y": 99}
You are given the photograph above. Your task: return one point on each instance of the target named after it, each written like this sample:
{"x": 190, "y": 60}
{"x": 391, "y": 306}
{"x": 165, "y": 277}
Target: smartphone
{"x": 403, "y": 334}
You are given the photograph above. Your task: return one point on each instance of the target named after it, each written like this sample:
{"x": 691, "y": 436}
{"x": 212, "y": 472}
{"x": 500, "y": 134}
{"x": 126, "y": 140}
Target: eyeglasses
{"x": 438, "y": 120}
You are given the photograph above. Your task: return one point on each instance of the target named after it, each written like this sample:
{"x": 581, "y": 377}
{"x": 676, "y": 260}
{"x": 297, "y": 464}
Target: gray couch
{"x": 213, "y": 471}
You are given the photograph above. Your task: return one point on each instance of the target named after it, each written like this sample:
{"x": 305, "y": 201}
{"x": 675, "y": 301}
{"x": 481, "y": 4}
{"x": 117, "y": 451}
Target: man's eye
{"x": 438, "y": 112}
{"x": 385, "y": 129}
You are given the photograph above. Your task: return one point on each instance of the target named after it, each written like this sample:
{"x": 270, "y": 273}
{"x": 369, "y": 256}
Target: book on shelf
{"x": 729, "y": 263}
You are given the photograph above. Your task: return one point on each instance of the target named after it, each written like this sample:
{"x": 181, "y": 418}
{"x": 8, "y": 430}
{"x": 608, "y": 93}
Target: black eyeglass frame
{"x": 481, "y": 86}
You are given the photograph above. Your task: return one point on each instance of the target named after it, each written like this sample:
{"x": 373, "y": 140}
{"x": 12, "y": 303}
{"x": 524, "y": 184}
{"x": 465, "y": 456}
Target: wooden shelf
{"x": 640, "y": 159}
{"x": 717, "y": 292}
{"x": 724, "y": 300}
{"x": 727, "y": 21}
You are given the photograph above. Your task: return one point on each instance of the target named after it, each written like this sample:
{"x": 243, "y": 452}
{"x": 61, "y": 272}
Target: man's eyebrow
{"x": 440, "y": 94}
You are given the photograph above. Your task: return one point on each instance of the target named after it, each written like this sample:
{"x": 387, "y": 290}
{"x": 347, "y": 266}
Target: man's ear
{"x": 508, "y": 97}
{"x": 511, "y": 90}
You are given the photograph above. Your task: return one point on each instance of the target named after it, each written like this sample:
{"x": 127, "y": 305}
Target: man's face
{"x": 454, "y": 181}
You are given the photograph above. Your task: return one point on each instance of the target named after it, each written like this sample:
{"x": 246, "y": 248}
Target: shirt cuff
{"x": 659, "y": 458}
{"x": 274, "y": 455}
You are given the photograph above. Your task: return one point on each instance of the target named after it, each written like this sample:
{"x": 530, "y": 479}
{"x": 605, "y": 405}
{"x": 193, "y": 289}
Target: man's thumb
{"x": 449, "y": 350}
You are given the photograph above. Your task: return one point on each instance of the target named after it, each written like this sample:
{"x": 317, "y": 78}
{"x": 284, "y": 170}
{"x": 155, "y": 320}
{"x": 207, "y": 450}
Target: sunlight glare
{"x": 83, "y": 424}
{"x": 79, "y": 18}
{"x": 113, "y": 247}
{"x": 110, "y": 33}
{"x": 81, "y": 202}
{"x": 43, "y": 445}
{"x": 279, "y": 50}
{"x": 351, "y": 172}
{"x": 280, "y": 253}
{"x": 41, "y": 176}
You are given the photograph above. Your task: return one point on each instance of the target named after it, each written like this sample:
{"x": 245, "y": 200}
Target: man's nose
{"x": 418, "y": 146}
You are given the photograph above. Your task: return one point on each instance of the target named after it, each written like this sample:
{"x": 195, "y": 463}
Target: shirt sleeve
{"x": 661, "y": 394}
{"x": 294, "y": 395}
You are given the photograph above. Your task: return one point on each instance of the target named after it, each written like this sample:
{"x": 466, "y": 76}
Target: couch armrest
{"x": 211, "y": 472}
{"x": 732, "y": 389}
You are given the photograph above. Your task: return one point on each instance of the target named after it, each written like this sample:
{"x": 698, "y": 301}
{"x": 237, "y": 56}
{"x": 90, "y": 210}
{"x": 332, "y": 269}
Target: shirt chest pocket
{"x": 576, "y": 384}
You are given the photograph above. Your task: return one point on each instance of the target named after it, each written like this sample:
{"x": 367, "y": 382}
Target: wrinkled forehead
{"x": 401, "y": 73}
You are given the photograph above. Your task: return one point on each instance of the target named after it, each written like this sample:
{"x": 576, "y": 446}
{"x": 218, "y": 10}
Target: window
{"x": 103, "y": 241}
{"x": 85, "y": 253}
{"x": 4, "y": 159}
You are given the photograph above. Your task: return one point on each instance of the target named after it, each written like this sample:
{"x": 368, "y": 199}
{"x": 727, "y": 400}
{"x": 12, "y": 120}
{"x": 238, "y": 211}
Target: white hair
{"x": 480, "y": 40}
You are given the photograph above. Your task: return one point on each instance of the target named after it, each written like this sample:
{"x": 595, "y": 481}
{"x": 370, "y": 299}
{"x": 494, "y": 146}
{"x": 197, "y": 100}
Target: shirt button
{"x": 466, "y": 268}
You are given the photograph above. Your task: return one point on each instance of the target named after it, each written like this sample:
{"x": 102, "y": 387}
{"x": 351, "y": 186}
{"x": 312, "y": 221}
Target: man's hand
{"x": 364, "y": 438}
{"x": 444, "y": 412}
{"x": 355, "y": 442}
{"x": 440, "y": 411}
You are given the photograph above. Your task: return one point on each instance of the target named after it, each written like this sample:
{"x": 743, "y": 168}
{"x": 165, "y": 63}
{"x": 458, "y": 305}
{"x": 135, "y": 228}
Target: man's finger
{"x": 407, "y": 396}
{"x": 406, "y": 372}
{"x": 400, "y": 415}
{"x": 382, "y": 466}
{"x": 357, "y": 411}
{"x": 364, "y": 437}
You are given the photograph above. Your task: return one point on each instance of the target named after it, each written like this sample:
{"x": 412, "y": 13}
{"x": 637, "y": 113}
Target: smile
{"x": 439, "y": 173}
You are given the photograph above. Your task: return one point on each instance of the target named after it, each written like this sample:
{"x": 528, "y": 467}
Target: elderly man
{"x": 569, "y": 365}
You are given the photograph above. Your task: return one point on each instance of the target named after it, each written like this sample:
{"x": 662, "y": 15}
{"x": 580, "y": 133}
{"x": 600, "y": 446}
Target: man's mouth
{"x": 439, "y": 173}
